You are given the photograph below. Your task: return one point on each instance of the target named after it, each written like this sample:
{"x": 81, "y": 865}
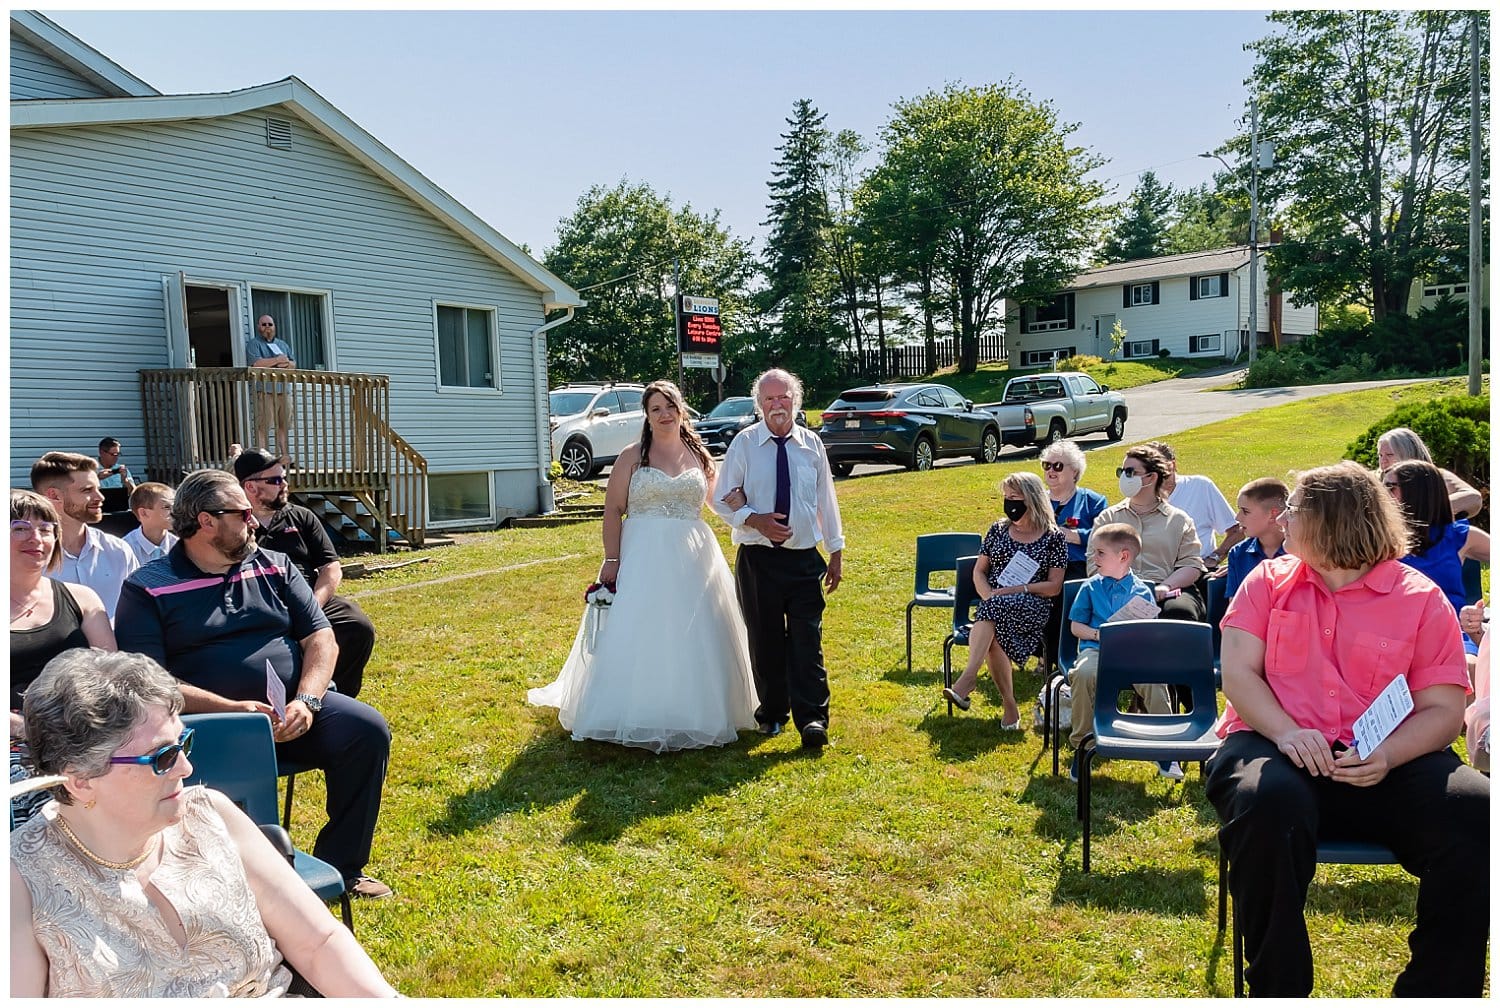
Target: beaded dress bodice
{"x": 654, "y": 494}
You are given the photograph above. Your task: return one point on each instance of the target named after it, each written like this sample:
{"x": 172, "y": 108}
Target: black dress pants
{"x": 781, "y": 596}
{"x": 355, "y": 635}
{"x": 1432, "y": 812}
{"x": 351, "y": 743}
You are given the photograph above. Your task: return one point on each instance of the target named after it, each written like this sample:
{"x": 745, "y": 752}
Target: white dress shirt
{"x": 145, "y": 550}
{"x": 750, "y": 463}
{"x": 103, "y": 565}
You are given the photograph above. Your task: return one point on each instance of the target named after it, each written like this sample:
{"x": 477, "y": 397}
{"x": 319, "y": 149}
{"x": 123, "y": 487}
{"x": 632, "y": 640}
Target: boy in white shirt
{"x": 152, "y": 504}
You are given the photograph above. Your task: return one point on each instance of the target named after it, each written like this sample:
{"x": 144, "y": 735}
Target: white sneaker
{"x": 1172, "y": 771}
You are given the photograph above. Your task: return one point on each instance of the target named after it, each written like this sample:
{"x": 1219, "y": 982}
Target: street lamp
{"x": 1260, "y": 157}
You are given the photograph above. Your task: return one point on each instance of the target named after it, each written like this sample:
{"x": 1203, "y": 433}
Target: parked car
{"x": 1043, "y": 408}
{"x": 592, "y": 423}
{"x": 906, "y": 424}
{"x": 727, "y": 419}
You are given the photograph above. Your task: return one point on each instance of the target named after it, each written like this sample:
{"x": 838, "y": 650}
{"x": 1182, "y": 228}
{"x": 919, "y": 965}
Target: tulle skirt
{"x": 667, "y": 665}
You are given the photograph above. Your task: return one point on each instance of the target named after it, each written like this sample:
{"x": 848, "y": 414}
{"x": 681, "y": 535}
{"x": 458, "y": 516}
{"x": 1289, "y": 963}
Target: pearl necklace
{"x": 83, "y": 849}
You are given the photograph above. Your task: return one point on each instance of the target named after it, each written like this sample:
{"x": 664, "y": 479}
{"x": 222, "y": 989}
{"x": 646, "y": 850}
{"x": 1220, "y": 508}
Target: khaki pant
{"x": 1086, "y": 678}
{"x": 273, "y": 409}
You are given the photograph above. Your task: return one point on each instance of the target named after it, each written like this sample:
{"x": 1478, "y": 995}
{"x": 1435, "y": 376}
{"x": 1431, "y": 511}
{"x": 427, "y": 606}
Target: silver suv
{"x": 592, "y": 423}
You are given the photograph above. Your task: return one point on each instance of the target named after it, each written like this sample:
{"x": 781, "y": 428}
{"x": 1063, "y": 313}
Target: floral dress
{"x": 1020, "y": 619}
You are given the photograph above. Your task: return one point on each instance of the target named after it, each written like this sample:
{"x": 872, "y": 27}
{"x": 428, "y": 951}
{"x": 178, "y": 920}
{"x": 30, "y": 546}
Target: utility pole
{"x": 1254, "y": 224}
{"x": 677, "y": 316}
{"x": 1476, "y": 252}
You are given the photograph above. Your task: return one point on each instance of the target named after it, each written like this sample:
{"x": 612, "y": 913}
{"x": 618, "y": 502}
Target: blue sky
{"x": 517, "y": 114}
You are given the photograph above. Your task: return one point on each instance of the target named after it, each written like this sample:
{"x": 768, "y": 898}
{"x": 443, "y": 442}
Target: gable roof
{"x": 315, "y": 110}
{"x": 77, "y": 55}
{"x": 1163, "y": 267}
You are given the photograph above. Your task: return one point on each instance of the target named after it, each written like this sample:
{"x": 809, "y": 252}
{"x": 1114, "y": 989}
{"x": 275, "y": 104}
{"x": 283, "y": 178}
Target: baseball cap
{"x": 253, "y": 460}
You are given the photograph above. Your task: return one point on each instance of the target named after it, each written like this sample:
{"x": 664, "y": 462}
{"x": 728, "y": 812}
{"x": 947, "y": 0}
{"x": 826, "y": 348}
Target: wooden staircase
{"x": 354, "y": 523}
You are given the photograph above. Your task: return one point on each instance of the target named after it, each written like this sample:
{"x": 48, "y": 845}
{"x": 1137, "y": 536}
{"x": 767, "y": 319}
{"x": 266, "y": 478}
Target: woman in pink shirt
{"x": 1310, "y": 640}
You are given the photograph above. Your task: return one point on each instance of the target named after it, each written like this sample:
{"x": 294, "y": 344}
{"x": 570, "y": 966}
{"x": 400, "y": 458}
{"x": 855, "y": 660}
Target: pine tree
{"x": 1142, "y": 233}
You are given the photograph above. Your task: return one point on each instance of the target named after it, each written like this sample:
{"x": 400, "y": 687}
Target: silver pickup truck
{"x": 1048, "y": 407}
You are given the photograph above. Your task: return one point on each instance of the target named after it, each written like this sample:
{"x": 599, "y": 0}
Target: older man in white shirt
{"x": 781, "y": 508}
{"x": 91, "y": 558}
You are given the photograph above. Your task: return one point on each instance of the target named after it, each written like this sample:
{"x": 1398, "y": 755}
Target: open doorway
{"x": 210, "y": 329}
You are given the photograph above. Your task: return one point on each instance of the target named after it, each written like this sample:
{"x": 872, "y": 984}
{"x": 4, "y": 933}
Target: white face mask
{"x": 1130, "y": 485}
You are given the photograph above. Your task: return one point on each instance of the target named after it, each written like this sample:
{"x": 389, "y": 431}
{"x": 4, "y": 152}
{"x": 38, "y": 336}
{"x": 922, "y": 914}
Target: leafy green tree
{"x": 1209, "y": 217}
{"x": 801, "y": 280}
{"x": 982, "y": 184}
{"x": 1369, "y": 113}
{"x": 618, "y": 248}
{"x": 1142, "y": 233}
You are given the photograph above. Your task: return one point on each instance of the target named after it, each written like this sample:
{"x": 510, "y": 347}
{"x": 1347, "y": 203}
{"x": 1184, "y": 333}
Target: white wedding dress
{"x": 668, "y": 664}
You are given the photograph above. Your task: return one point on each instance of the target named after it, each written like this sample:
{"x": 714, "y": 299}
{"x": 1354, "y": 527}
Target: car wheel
{"x": 841, "y": 468}
{"x": 576, "y": 459}
{"x": 1116, "y": 430}
{"x": 989, "y": 447}
{"x": 921, "y": 454}
{"x": 1055, "y": 433}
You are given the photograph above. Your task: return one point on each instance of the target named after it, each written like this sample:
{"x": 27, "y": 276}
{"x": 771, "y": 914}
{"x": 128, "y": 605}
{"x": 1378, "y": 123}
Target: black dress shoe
{"x": 814, "y": 735}
{"x": 768, "y": 727}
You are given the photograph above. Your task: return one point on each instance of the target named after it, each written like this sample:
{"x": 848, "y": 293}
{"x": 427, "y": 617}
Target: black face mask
{"x": 1014, "y": 509}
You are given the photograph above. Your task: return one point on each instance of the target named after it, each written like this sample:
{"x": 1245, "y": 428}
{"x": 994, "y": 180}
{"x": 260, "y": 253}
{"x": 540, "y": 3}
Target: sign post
{"x": 699, "y": 335}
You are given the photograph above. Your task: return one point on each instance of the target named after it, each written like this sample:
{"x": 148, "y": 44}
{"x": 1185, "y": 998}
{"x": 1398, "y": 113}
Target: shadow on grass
{"x": 1137, "y": 888}
{"x": 1115, "y": 803}
{"x": 619, "y": 785}
{"x": 965, "y": 737}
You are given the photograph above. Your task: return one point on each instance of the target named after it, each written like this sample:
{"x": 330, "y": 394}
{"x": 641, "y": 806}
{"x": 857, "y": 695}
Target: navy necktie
{"x": 783, "y": 481}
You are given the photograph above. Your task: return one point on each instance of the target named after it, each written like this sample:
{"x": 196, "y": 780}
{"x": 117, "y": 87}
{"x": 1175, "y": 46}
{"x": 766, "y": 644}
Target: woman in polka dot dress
{"x": 1011, "y": 617}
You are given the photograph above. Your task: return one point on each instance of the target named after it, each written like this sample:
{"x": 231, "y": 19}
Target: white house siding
{"x": 99, "y": 214}
{"x": 34, "y": 74}
{"x": 1171, "y": 322}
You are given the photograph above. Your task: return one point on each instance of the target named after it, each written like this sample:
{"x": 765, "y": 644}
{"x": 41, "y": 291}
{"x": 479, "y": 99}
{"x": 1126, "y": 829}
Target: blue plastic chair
{"x": 1067, "y": 654}
{"x": 235, "y": 753}
{"x": 1473, "y": 581}
{"x": 936, "y": 551}
{"x": 1329, "y": 852}
{"x": 965, "y": 603}
{"x": 1167, "y": 652}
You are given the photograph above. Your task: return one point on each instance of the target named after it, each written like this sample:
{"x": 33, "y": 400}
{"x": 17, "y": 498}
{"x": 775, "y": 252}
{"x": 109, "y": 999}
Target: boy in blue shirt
{"x": 1261, "y": 503}
{"x": 1112, "y": 587}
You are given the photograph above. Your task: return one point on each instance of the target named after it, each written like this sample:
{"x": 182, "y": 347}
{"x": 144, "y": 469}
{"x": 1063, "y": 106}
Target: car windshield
{"x": 737, "y": 407}
{"x": 865, "y": 399}
{"x": 568, "y": 403}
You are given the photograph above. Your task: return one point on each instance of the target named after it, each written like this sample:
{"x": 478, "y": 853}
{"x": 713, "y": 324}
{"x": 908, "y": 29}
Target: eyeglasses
{"x": 164, "y": 758}
{"x": 1132, "y": 471}
{"x": 244, "y": 513}
{"x": 1053, "y": 466}
{"x": 273, "y": 480}
{"x": 1289, "y": 509}
{"x": 21, "y": 529}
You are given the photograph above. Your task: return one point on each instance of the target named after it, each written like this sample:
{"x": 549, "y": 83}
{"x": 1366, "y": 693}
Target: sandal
{"x": 1013, "y": 726}
{"x": 962, "y": 703}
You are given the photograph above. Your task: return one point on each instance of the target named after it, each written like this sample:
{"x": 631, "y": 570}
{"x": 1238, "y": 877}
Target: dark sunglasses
{"x": 1129, "y": 471}
{"x": 244, "y": 513}
{"x": 1389, "y": 486}
{"x": 1053, "y": 466}
{"x": 164, "y": 758}
{"x": 273, "y": 480}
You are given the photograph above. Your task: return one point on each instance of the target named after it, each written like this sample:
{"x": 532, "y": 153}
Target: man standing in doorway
{"x": 782, "y": 506}
{"x": 273, "y": 400}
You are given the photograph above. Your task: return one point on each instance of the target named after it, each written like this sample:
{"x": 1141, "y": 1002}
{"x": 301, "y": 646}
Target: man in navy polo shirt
{"x": 216, "y": 613}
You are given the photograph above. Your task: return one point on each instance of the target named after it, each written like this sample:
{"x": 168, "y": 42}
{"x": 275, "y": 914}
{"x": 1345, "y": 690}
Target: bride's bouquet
{"x": 598, "y": 597}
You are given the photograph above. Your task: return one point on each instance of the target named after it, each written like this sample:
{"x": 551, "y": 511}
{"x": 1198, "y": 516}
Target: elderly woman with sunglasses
{"x": 1074, "y": 508}
{"x": 1312, "y": 640}
{"x": 46, "y": 617}
{"x": 130, "y": 884}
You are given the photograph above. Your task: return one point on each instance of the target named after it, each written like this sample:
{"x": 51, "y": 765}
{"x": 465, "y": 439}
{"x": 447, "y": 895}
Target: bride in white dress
{"x": 670, "y": 666}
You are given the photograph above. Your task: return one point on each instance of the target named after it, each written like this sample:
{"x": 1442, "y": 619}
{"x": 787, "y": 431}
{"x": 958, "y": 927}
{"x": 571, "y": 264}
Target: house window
{"x": 1141, "y": 348}
{"x": 1042, "y": 358}
{"x": 300, "y": 318}
{"x": 1211, "y": 343}
{"x": 1210, "y": 286}
{"x": 458, "y": 498}
{"x": 465, "y": 344}
{"x": 1053, "y": 315}
{"x": 1141, "y": 294}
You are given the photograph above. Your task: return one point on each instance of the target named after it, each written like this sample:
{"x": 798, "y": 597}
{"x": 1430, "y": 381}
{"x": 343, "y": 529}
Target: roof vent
{"x": 278, "y": 134}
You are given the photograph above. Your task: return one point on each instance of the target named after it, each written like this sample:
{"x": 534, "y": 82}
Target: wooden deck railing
{"x": 341, "y": 440}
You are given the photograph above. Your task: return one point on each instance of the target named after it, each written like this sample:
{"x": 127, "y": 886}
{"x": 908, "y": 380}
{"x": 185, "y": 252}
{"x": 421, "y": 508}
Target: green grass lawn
{"x": 919, "y": 855}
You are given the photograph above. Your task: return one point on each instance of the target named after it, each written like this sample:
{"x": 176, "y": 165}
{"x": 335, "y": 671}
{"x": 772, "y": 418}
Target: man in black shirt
{"x": 294, "y": 530}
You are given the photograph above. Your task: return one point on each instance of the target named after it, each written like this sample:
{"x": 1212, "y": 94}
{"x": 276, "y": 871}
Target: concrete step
{"x": 547, "y": 521}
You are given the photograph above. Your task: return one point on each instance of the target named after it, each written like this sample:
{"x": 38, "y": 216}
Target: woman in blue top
{"x": 1440, "y": 543}
{"x": 1074, "y": 509}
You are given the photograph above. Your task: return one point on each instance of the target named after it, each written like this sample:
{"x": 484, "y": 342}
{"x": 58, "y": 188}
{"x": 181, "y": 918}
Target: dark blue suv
{"x": 910, "y": 425}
